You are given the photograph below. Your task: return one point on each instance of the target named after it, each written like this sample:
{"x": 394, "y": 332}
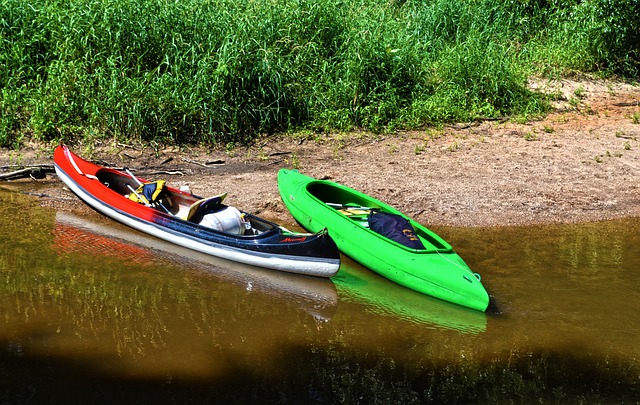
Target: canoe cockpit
{"x": 359, "y": 210}
{"x": 207, "y": 212}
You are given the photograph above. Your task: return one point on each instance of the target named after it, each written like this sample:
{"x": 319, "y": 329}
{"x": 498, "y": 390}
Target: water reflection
{"x": 68, "y": 290}
{"x": 93, "y": 312}
{"x": 569, "y": 282}
{"x": 383, "y": 297}
{"x": 98, "y": 237}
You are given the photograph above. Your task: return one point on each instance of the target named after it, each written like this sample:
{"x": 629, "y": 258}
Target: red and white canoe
{"x": 204, "y": 225}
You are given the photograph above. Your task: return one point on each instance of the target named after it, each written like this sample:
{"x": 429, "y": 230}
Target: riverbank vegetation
{"x": 223, "y": 72}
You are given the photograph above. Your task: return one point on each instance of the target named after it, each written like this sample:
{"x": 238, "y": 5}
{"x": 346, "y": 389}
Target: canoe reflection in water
{"x": 315, "y": 295}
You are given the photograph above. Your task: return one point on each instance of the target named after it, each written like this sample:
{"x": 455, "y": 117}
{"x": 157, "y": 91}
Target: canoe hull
{"x": 309, "y": 254}
{"x": 436, "y": 271}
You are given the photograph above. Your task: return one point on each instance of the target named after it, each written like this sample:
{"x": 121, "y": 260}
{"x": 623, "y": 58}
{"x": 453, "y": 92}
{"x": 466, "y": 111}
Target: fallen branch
{"x": 34, "y": 172}
{"x": 624, "y": 136}
{"x": 212, "y": 162}
{"x": 279, "y": 153}
{"x": 167, "y": 172}
{"x": 478, "y": 121}
{"x": 44, "y": 165}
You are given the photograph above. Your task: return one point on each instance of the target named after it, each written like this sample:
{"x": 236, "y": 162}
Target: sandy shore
{"x": 580, "y": 163}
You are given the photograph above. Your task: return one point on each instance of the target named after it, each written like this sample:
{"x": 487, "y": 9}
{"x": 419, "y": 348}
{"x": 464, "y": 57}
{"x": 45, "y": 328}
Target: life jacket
{"x": 148, "y": 193}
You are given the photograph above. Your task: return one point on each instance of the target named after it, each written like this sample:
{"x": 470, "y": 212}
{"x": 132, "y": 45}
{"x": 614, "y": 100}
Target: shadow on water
{"x": 92, "y": 312}
{"x": 326, "y": 376}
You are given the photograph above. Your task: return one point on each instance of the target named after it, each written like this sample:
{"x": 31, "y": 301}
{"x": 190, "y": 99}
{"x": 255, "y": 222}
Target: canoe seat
{"x": 201, "y": 207}
{"x": 211, "y": 213}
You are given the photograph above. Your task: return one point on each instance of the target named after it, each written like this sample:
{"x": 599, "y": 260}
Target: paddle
{"x": 352, "y": 208}
{"x": 355, "y": 212}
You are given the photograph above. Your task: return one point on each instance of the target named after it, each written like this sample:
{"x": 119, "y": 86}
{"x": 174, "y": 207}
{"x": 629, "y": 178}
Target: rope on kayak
{"x": 476, "y": 275}
{"x": 75, "y": 166}
{"x": 449, "y": 260}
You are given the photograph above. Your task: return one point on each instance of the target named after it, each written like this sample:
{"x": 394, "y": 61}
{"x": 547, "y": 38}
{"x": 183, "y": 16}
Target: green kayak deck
{"x": 434, "y": 270}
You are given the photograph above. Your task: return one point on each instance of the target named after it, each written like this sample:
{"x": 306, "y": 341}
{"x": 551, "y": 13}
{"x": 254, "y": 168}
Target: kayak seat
{"x": 200, "y": 208}
{"x": 211, "y": 213}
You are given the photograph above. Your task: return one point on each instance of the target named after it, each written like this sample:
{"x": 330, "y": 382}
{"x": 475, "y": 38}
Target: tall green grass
{"x": 594, "y": 36}
{"x": 215, "y": 71}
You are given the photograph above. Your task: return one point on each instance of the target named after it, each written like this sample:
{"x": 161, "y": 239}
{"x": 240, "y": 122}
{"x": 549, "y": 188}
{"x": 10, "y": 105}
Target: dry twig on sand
{"x": 34, "y": 172}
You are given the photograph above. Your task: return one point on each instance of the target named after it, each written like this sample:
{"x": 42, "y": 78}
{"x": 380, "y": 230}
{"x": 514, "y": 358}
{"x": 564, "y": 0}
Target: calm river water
{"x": 93, "y": 312}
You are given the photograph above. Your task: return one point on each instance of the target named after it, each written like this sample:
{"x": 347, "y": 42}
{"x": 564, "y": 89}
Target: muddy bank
{"x": 580, "y": 163}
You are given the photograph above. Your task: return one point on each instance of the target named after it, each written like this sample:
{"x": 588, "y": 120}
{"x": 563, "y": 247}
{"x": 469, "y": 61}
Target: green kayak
{"x": 417, "y": 258}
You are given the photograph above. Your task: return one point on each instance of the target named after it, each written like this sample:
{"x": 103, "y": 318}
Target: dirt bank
{"x": 580, "y": 163}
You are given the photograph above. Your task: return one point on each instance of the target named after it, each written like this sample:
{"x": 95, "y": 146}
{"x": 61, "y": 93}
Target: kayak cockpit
{"x": 328, "y": 193}
{"x": 207, "y": 212}
{"x": 360, "y": 210}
